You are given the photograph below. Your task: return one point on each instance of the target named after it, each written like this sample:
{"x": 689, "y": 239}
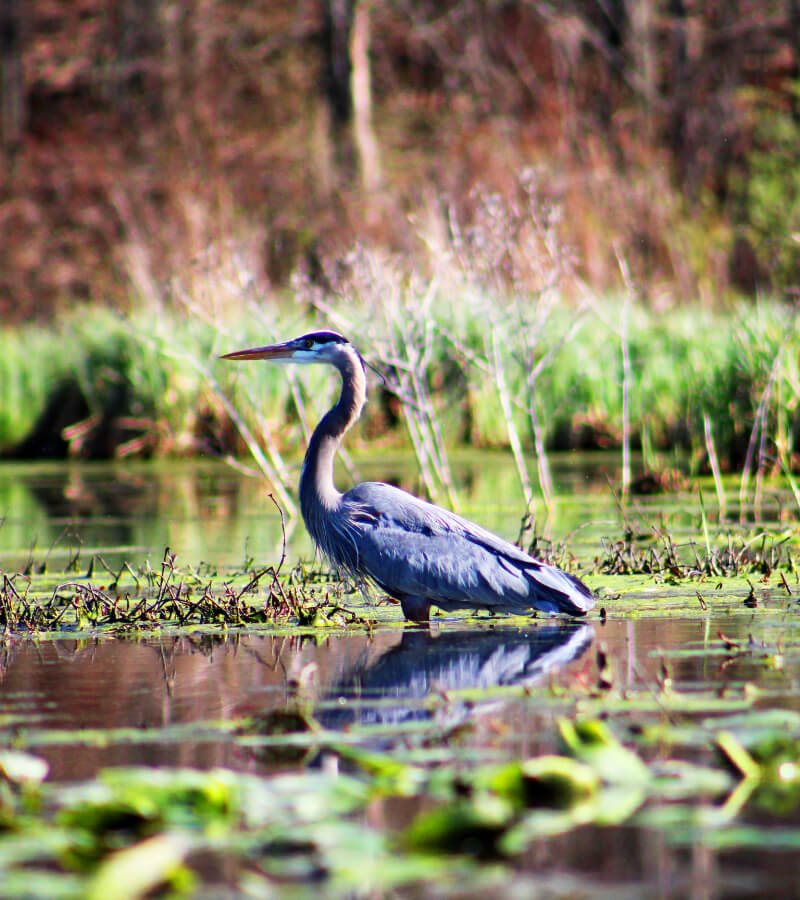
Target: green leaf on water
{"x": 22, "y": 768}
{"x": 135, "y": 871}
{"x": 737, "y": 755}
{"x": 24, "y": 884}
{"x": 593, "y": 743}
{"x": 676, "y": 779}
{"x": 555, "y": 782}
{"x": 389, "y": 775}
{"x": 470, "y": 827}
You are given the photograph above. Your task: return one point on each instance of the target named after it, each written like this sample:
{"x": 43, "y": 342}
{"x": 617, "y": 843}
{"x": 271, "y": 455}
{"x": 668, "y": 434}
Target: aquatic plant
{"x": 129, "y": 830}
{"x": 38, "y": 603}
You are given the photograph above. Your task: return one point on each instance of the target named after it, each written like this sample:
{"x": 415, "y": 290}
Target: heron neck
{"x": 318, "y": 492}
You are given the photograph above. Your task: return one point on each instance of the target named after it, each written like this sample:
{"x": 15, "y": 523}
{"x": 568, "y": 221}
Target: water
{"x": 151, "y": 701}
{"x": 472, "y": 693}
{"x": 208, "y": 511}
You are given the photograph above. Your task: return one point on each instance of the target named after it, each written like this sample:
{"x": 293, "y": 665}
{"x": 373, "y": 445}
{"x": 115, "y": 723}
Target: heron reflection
{"x": 393, "y": 688}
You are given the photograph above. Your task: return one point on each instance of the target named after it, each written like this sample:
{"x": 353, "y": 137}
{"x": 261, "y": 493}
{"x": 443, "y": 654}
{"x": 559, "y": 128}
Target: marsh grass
{"x": 732, "y": 555}
{"x": 182, "y": 596}
{"x": 465, "y": 359}
{"x": 36, "y": 600}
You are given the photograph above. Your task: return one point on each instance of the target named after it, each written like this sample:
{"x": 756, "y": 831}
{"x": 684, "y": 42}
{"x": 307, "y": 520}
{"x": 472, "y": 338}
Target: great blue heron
{"x": 418, "y": 553}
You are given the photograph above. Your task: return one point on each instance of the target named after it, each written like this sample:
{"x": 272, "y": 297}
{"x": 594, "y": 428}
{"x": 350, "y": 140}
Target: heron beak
{"x": 274, "y": 351}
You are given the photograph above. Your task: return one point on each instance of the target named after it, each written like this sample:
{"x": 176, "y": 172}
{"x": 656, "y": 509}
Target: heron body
{"x": 419, "y": 553}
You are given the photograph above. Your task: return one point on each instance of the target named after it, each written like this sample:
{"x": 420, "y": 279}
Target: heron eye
{"x": 308, "y": 343}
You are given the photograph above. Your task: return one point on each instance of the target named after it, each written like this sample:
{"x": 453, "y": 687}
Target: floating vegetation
{"x": 656, "y": 552}
{"x": 171, "y": 595}
{"x": 130, "y": 830}
{"x": 36, "y": 600}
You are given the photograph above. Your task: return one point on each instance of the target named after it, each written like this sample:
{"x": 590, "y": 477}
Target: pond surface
{"x": 210, "y": 512}
{"x": 668, "y": 674}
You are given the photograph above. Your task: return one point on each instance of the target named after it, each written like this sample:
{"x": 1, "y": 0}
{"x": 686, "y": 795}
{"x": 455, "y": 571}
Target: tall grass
{"x": 465, "y": 359}
{"x": 737, "y": 369}
{"x": 32, "y": 361}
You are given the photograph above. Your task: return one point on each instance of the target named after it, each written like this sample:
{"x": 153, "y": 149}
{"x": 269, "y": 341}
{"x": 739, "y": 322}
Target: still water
{"x": 211, "y": 512}
{"x": 474, "y": 692}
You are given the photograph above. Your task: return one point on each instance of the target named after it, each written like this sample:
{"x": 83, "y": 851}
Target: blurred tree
{"x": 769, "y": 193}
{"x": 13, "y": 15}
{"x": 153, "y": 125}
{"x": 347, "y": 86}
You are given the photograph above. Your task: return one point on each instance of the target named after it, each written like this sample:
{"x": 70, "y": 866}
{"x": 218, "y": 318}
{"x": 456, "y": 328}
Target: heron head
{"x": 314, "y": 347}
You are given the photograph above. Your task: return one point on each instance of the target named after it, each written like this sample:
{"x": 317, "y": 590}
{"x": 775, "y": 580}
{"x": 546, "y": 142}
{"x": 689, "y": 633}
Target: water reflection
{"x": 159, "y": 686}
{"x": 205, "y": 510}
{"x": 172, "y": 681}
{"x": 424, "y": 663}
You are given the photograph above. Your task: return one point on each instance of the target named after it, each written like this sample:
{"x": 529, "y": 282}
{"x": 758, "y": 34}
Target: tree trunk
{"x": 361, "y": 85}
{"x": 345, "y": 125}
{"x": 794, "y": 30}
{"x": 12, "y": 90}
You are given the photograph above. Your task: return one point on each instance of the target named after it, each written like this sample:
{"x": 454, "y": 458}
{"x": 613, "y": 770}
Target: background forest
{"x": 139, "y": 136}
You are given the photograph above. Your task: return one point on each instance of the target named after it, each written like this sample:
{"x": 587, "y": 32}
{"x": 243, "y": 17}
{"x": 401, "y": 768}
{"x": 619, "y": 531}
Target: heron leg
{"x": 416, "y": 609}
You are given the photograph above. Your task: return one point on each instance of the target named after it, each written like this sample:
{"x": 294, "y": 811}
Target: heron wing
{"x": 413, "y": 548}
